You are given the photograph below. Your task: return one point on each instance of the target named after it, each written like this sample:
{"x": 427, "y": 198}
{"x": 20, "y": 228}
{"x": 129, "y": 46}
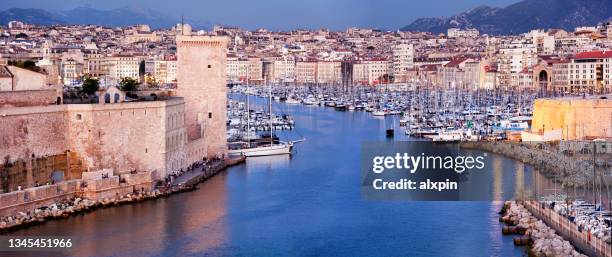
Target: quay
{"x": 190, "y": 179}
{"x": 39, "y": 204}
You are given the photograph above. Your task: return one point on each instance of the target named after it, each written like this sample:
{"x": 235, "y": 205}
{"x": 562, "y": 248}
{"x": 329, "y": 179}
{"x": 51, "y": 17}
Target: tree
{"x": 90, "y": 85}
{"x": 128, "y": 84}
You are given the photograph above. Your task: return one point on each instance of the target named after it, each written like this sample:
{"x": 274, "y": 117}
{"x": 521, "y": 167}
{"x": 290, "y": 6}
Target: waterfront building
{"x": 328, "y": 72}
{"x": 591, "y": 72}
{"x": 378, "y": 70}
{"x": 306, "y": 72}
{"x": 255, "y": 70}
{"x": 403, "y": 61}
{"x": 236, "y": 69}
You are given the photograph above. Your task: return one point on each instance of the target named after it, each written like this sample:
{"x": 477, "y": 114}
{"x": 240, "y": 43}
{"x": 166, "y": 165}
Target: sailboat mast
{"x": 270, "y": 113}
{"x": 248, "y": 109}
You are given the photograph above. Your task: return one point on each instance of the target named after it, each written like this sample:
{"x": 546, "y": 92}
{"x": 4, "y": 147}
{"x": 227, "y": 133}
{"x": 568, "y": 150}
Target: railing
{"x": 587, "y": 243}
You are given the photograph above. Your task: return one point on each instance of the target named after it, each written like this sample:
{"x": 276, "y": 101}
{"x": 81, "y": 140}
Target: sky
{"x": 283, "y": 14}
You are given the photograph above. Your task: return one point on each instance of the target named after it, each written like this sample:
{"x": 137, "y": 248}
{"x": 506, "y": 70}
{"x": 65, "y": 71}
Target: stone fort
{"x": 40, "y": 135}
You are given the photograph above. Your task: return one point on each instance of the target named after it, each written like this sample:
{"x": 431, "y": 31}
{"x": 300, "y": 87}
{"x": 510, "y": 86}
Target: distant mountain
{"x": 29, "y": 15}
{"x": 124, "y": 16}
{"x": 521, "y": 17}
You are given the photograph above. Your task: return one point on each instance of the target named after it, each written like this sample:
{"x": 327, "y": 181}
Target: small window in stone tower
{"x": 209, "y": 66}
{"x": 210, "y": 115}
{"x": 78, "y": 116}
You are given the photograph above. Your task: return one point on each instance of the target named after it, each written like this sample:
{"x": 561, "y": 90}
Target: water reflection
{"x": 268, "y": 162}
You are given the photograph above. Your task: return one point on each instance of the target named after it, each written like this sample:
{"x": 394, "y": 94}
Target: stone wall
{"x": 577, "y": 118}
{"x": 30, "y": 98}
{"x": 39, "y": 170}
{"x": 31, "y": 132}
{"x": 32, "y": 198}
{"x": 24, "y": 79}
{"x": 127, "y": 136}
{"x": 143, "y": 136}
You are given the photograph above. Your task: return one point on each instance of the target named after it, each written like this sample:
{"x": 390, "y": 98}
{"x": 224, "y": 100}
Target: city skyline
{"x": 282, "y": 15}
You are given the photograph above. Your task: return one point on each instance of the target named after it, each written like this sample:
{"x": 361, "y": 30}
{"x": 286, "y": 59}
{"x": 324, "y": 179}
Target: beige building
{"x": 237, "y": 69}
{"x": 512, "y": 59}
{"x": 255, "y": 72}
{"x": 329, "y": 73}
{"x": 306, "y": 72}
{"x": 71, "y": 72}
{"x": 403, "y": 61}
{"x": 591, "y": 72}
{"x": 122, "y": 66}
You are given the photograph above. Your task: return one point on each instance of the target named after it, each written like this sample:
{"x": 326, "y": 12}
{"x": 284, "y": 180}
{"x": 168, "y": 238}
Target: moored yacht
{"x": 249, "y": 150}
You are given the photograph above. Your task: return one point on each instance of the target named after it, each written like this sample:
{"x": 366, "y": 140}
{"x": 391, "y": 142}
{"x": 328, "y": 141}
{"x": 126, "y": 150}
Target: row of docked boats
{"x": 245, "y": 125}
{"x": 592, "y": 218}
{"x": 441, "y": 115}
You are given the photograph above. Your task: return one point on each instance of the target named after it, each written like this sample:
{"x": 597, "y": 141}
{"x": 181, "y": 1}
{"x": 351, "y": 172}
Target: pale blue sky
{"x": 283, "y": 14}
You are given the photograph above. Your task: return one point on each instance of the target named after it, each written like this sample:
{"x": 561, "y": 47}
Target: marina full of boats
{"x": 441, "y": 114}
{"x": 251, "y": 132}
{"x": 588, "y": 217}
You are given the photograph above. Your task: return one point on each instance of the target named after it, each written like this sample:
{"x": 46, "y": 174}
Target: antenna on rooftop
{"x": 182, "y": 25}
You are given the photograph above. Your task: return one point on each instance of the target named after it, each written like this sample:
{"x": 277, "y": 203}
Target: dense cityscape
{"x": 96, "y": 117}
{"x": 558, "y": 61}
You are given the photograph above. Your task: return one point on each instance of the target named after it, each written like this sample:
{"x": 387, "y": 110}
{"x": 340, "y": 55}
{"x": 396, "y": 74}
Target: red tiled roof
{"x": 594, "y": 55}
{"x": 455, "y": 62}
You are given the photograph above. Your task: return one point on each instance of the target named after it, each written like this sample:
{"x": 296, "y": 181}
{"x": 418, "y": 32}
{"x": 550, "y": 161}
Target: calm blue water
{"x": 306, "y": 205}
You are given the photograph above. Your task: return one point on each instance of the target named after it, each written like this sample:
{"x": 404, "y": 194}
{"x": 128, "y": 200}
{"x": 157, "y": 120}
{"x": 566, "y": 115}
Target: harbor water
{"x": 308, "y": 204}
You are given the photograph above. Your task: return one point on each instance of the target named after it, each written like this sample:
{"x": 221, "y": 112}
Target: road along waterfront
{"x": 305, "y": 204}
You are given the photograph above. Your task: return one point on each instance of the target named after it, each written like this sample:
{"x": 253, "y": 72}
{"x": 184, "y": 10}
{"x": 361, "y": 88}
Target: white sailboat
{"x": 268, "y": 148}
{"x": 379, "y": 113}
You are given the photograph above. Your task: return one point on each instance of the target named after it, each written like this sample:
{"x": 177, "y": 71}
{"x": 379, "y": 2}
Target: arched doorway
{"x": 107, "y": 98}
{"x": 543, "y": 83}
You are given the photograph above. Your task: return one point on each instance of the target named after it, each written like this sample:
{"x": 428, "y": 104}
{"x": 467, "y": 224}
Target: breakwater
{"x": 569, "y": 172}
{"x": 541, "y": 240}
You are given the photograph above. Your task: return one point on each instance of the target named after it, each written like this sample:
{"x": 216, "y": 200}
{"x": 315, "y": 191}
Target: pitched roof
{"x": 594, "y": 55}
